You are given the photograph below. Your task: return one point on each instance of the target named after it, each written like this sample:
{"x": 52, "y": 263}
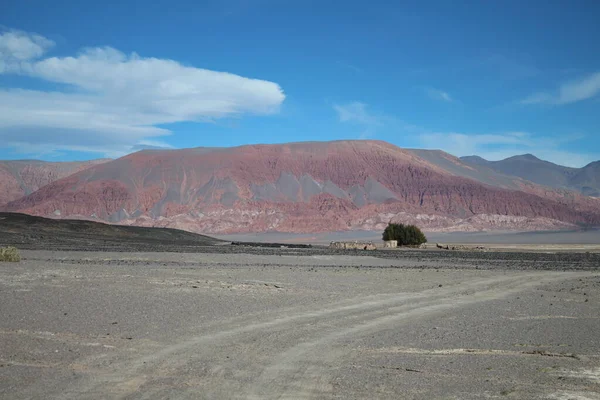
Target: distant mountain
{"x": 585, "y": 180}
{"x": 476, "y": 170}
{"x": 19, "y": 178}
{"x": 305, "y": 187}
{"x": 475, "y": 160}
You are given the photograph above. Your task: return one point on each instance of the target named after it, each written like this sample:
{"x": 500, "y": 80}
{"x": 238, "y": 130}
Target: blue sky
{"x": 89, "y": 79}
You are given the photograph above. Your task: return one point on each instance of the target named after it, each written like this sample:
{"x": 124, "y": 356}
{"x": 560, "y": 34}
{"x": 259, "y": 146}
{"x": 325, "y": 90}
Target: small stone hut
{"x": 352, "y": 245}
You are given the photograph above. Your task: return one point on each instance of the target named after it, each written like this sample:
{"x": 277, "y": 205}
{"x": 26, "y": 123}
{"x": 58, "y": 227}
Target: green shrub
{"x": 10, "y": 254}
{"x": 406, "y": 235}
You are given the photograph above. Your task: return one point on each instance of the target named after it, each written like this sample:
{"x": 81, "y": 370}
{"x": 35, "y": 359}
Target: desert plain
{"x": 234, "y": 322}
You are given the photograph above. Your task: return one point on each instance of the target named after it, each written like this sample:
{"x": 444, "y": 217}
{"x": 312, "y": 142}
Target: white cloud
{"x": 570, "y": 92}
{"x": 112, "y": 102}
{"x": 495, "y": 147}
{"x": 18, "y": 46}
{"x": 462, "y": 144}
{"x": 440, "y": 95}
{"x": 155, "y": 144}
{"x": 357, "y": 113}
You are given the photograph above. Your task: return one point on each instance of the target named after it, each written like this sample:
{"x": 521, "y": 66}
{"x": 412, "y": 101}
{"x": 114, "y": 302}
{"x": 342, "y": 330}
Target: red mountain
{"x": 297, "y": 187}
{"x": 22, "y": 177}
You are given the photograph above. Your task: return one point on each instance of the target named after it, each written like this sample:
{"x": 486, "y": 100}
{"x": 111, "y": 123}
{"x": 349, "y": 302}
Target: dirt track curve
{"x": 287, "y": 357}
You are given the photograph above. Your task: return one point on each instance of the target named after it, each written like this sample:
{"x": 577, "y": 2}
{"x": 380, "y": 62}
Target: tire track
{"x": 285, "y": 357}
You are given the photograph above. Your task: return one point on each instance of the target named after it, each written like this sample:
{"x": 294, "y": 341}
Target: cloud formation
{"x": 357, "y": 113}
{"x": 16, "y": 46}
{"x": 111, "y": 102}
{"x": 570, "y": 92}
{"x": 440, "y": 95}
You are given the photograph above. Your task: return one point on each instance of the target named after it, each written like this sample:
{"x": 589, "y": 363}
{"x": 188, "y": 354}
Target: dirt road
{"x": 267, "y": 328}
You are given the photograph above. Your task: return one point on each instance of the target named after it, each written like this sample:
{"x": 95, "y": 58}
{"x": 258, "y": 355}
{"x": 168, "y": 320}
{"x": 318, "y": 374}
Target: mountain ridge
{"x": 585, "y": 180}
{"x": 19, "y": 178}
{"x": 300, "y": 187}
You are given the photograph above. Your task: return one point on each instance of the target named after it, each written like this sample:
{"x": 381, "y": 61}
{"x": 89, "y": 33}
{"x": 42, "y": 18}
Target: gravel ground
{"x": 299, "y": 324}
{"x": 181, "y": 256}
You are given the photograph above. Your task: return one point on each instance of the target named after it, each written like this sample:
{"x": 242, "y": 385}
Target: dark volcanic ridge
{"x": 31, "y": 232}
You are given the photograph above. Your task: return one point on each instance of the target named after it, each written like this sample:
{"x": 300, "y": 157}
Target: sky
{"x": 90, "y": 79}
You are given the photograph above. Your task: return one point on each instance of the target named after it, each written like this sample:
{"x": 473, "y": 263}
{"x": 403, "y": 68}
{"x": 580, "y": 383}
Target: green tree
{"x": 406, "y": 235}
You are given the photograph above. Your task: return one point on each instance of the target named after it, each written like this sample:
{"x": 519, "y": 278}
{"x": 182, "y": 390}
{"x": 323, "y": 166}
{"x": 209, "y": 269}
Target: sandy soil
{"x": 95, "y": 325}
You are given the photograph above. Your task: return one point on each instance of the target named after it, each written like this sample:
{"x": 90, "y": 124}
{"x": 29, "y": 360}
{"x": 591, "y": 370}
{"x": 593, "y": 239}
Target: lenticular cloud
{"x": 106, "y": 101}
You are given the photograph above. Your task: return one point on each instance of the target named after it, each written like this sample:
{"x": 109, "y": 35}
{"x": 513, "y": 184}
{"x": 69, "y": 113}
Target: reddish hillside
{"x": 21, "y": 177}
{"x": 298, "y": 187}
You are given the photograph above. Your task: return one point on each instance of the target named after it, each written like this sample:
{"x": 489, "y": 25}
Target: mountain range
{"x": 585, "y": 180}
{"x": 316, "y": 187}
